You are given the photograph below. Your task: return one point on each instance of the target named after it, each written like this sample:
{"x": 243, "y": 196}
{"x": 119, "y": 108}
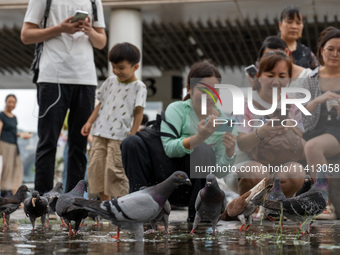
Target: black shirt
{"x": 304, "y": 57}
{"x": 9, "y": 129}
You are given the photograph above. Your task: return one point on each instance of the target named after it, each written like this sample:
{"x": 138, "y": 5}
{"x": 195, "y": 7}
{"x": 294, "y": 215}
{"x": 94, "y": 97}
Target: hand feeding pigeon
{"x": 307, "y": 184}
{"x": 210, "y": 203}
{"x": 35, "y": 207}
{"x": 7, "y": 209}
{"x": 276, "y": 195}
{"x": 304, "y": 207}
{"x": 52, "y": 197}
{"x": 244, "y": 206}
{"x": 68, "y": 211}
{"x": 131, "y": 211}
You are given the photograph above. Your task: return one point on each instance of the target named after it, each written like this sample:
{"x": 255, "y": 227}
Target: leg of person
{"x": 65, "y": 156}
{"x": 81, "y": 107}
{"x": 136, "y": 162}
{"x": 291, "y": 178}
{"x": 96, "y": 169}
{"x": 116, "y": 183}
{"x": 18, "y": 173}
{"x": 317, "y": 150}
{"x": 50, "y": 122}
{"x": 8, "y": 152}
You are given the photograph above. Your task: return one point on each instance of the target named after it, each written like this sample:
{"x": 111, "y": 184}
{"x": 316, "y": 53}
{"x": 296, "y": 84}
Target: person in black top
{"x": 291, "y": 26}
{"x": 12, "y": 171}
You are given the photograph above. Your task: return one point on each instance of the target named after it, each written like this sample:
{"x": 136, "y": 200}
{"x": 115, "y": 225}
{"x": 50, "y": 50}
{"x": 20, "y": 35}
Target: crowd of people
{"x": 120, "y": 160}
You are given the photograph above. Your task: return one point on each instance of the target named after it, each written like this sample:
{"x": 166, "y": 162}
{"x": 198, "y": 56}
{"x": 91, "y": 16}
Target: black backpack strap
{"x": 47, "y": 11}
{"x": 169, "y": 124}
{"x": 94, "y": 10}
{"x": 158, "y": 132}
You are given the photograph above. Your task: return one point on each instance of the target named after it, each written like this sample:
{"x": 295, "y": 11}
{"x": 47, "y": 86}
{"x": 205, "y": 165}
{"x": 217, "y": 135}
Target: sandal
{"x": 327, "y": 214}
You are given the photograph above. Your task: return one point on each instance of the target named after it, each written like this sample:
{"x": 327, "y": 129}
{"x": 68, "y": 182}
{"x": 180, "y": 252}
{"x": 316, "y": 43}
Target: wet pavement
{"x": 261, "y": 238}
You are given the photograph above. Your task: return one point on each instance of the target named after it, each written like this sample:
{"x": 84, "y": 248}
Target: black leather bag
{"x": 162, "y": 165}
{"x": 39, "y": 47}
{"x": 35, "y": 64}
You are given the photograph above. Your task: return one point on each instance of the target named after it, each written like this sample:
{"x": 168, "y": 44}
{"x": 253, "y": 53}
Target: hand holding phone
{"x": 251, "y": 71}
{"x": 79, "y": 15}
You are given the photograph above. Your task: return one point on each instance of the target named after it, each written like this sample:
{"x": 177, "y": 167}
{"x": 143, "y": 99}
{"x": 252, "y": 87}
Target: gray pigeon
{"x": 304, "y": 207}
{"x": 131, "y": 211}
{"x": 210, "y": 203}
{"x": 52, "y": 197}
{"x": 94, "y": 215}
{"x": 244, "y": 206}
{"x": 163, "y": 216}
{"x": 307, "y": 184}
{"x": 276, "y": 195}
{"x": 7, "y": 209}
{"x": 68, "y": 211}
{"x": 35, "y": 207}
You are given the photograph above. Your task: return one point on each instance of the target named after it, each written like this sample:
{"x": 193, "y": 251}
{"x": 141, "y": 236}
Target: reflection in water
{"x": 324, "y": 239}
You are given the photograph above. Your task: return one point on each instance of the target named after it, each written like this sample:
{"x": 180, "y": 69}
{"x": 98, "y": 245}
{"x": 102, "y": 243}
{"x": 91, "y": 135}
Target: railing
{"x": 22, "y": 4}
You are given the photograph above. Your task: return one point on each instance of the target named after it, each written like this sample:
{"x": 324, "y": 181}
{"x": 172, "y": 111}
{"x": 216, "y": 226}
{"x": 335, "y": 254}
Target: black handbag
{"x": 162, "y": 165}
{"x": 39, "y": 47}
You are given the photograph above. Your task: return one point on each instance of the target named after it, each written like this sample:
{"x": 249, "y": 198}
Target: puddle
{"x": 266, "y": 239}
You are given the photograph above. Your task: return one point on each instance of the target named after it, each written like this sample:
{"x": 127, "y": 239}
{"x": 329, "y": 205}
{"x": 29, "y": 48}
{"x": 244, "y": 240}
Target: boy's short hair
{"x": 124, "y": 51}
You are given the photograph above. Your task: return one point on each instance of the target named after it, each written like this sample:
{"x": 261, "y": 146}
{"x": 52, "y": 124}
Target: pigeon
{"x": 244, "y": 206}
{"x": 230, "y": 196}
{"x": 304, "y": 207}
{"x": 52, "y": 197}
{"x": 163, "y": 216}
{"x": 7, "y": 209}
{"x": 35, "y": 207}
{"x": 94, "y": 215}
{"x": 5, "y": 201}
{"x": 307, "y": 184}
{"x": 210, "y": 203}
{"x": 68, "y": 211}
{"x": 131, "y": 211}
{"x": 277, "y": 195}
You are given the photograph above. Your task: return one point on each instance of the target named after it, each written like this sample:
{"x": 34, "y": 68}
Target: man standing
{"x": 67, "y": 80}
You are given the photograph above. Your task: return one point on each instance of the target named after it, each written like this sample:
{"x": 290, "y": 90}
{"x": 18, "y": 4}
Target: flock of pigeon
{"x": 151, "y": 204}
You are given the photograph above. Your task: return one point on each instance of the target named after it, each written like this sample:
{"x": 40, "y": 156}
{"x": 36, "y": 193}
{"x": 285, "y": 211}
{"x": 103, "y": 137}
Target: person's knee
{"x": 203, "y": 153}
{"x": 204, "y": 149}
{"x": 311, "y": 148}
{"x": 131, "y": 142}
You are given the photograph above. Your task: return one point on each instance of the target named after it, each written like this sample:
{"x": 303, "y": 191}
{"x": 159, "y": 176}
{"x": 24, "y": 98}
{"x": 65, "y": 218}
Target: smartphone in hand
{"x": 251, "y": 71}
{"x": 79, "y": 15}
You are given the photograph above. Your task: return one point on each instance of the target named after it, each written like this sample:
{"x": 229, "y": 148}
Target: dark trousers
{"x": 79, "y": 99}
{"x": 137, "y": 164}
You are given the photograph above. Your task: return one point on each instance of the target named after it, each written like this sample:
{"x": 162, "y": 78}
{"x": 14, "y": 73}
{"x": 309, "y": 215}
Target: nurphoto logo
{"x": 238, "y": 100}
